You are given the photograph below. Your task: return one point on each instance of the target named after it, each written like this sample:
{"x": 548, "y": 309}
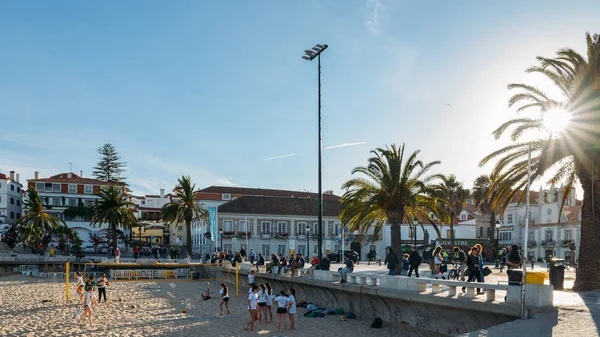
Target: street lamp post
{"x": 221, "y": 234}
{"x": 525, "y": 236}
{"x": 308, "y": 240}
{"x": 311, "y": 54}
{"x": 415, "y": 223}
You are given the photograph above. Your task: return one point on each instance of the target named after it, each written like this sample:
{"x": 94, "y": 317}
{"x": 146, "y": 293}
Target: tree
{"x": 114, "y": 208}
{"x": 110, "y": 167}
{"x": 392, "y": 188}
{"x": 573, "y": 152}
{"x": 183, "y": 209}
{"x": 67, "y": 237}
{"x": 456, "y": 196}
{"x": 36, "y": 225}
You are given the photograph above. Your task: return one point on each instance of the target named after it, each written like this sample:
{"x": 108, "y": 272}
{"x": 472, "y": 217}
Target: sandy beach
{"x": 37, "y": 307}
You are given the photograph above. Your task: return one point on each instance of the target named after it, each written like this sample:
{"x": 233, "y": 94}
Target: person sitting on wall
{"x": 324, "y": 264}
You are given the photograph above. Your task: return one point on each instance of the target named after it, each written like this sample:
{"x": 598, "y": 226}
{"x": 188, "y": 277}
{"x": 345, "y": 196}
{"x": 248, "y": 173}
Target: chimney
{"x": 12, "y": 175}
{"x": 36, "y": 174}
{"x": 81, "y": 174}
{"x": 162, "y": 193}
{"x": 18, "y": 180}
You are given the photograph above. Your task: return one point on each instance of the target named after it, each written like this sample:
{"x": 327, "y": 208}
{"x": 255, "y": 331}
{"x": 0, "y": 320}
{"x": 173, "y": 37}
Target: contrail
{"x": 279, "y": 157}
{"x": 343, "y": 145}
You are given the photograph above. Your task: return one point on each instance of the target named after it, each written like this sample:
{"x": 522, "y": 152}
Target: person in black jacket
{"x": 415, "y": 261}
{"x": 473, "y": 268}
{"x": 391, "y": 261}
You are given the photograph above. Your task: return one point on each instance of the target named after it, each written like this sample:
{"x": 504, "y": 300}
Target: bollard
{"x": 532, "y": 264}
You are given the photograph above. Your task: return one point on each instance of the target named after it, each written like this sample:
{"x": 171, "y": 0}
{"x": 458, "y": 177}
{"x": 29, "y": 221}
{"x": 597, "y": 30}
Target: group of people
{"x": 260, "y": 303}
{"x": 294, "y": 262}
{"x": 87, "y": 292}
{"x": 160, "y": 252}
{"x": 410, "y": 262}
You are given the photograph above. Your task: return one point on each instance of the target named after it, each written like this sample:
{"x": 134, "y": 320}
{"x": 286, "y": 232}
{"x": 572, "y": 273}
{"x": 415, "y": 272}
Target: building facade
{"x": 548, "y": 235}
{"x": 68, "y": 196}
{"x": 11, "y": 198}
{"x": 151, "y": 231}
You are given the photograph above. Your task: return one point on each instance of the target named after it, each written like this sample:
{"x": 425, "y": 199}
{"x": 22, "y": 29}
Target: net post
{"x": 237, "y": 268}
{"x": 67, "y": 279}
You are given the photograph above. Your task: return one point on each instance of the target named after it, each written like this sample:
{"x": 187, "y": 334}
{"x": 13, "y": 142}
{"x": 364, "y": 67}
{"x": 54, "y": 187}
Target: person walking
{"x": 102, "y": 284}
{"x": 224, "y": 292}
{"x": 415, "y": 260}
{"x": 473, "y": 268}
{"x": 405, "y": 265}
{"x": 391, "y": 261}
{"x": 461, "y": 258}
{"x": 348, "y": 269}
{"x": 87, "y": 301}
{"x": 438, "y": 260}
{"x": 252, "y": 255}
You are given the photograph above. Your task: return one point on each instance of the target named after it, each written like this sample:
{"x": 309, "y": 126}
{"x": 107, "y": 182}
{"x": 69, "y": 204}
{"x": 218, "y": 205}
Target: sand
{"x": 158, "y": 312}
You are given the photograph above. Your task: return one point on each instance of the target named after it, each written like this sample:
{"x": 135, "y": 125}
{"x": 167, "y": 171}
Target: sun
{"x": 556, "y": 120}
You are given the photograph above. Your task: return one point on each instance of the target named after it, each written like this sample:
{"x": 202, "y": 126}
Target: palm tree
{"x": 36, "y": 224}
{"x": 114, "y": 208}
{"x": 184, "y": 209}
{"x": 456, "y": 196}
{"x": 573, "y": 152}
{"x": 393, "y": 189}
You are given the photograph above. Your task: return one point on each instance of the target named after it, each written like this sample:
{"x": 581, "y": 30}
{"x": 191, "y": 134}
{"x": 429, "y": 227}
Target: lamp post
{"x": 415, "y": 223}
{"x": 525, "y": 236}
{"x": 308, "y": 240}
{"x": 221, "y": 234}
{"x": 311, "y": 54}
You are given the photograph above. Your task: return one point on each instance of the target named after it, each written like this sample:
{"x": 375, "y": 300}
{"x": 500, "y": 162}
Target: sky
{"x": 217, "y": 89}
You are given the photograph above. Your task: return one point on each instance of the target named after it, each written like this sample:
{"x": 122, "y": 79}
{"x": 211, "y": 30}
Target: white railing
{"x": 149, "y": 274}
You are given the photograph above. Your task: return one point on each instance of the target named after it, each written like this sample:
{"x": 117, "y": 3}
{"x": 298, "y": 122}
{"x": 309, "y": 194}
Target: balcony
{"x": 301, "y": 237}
{"x": 567, "y": 243}
{"x": 265, "y": 236}
{"x": 283, "y": 236}
{"x": 244, "y": 235}
{"x": 531, "y": 243}
{"x": 228, "y": 234}
{"x": 548, "y": 243}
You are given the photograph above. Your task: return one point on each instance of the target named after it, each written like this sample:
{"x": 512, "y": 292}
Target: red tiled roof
{"x": 63, "y": 178}
{"x": 4, "y": 176}
{"x": 264, "y": 192}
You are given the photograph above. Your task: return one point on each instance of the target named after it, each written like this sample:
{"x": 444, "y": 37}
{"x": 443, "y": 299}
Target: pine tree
{"x": 110, "y": 166}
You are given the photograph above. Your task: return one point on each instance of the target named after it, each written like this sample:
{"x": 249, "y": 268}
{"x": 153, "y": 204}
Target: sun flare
{"x": 556, "y": 120}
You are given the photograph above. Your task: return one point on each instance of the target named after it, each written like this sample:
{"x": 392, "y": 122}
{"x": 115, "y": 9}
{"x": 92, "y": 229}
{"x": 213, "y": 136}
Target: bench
{"x": 364, "y": 279}
{"x": 490, "y": 289}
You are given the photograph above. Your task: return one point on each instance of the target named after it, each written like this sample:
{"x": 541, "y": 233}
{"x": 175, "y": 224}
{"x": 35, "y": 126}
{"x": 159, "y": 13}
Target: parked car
{"x": 335, "y": 256}
{"x": 89, "y": 250}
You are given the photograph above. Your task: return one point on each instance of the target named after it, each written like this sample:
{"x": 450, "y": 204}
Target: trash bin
{"x": 196, "y": 275}
{"x": 536, "y": 277}
{"x": 514, "y": 277}
{"x": 557, "y": 273}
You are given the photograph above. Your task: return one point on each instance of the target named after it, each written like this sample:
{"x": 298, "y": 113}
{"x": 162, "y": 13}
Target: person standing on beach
{"x": 269, "y": 293}
{"x": 88, "y": 300}
{"x": 292, "y": 306}
{"x": 224, "y": 292}
{"x": 262, "y": 303}
{"x": 252, "y": 308}
{"x": 102, "y": 283}
{"x": 282, "y": 304}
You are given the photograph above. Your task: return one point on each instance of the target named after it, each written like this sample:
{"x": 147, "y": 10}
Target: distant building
{"x": 548, "y": 235}
{"x": 11, "y": 200}
{"x": 68, "y": 196}
{"x": 151, "y": 230}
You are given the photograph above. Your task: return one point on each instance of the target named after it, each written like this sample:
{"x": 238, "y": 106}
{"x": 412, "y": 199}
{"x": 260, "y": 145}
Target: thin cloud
{"x": 372, "y": 18}
{"x": 279, "y": 157}
{"x": 343, "y": 145}
{"x": 226, "y": 182}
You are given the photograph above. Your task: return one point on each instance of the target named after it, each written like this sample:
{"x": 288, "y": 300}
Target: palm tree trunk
{"x": 493, "y": 244}
{"x": 451, "y": 230}
{"x": 588, "y": 277}
{"x": 188, "y": 234}
{"x": 113, "y": 234}
{"x": 396, "y": 238}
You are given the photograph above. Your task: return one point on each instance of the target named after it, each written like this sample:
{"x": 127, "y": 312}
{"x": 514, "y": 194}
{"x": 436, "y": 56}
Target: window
{"x": 18, "y": 190}
{"x": 531, "y": 236}
{"x": 227, "y": 226}
{"x": 301, "y": 228}
{"x": 510, "y": 218}
{"x": 245, "y": 226}
{"x": 282, "y": 227}
{"x": 149, "y": 202}
{"x": 315, "y": 228}
{"x": 505, "y": 236}
{"x": 463, "y": 216}
{"x": 330, "y": 229}
{"x": 12, "y": 215}
{"x": 18, "y": 216}
{"x": 88, "y": 189}
{"x": 301, "y": 249}
{"x": 12, "y": 187}
{"x": 265, "y": 228}
{"x": 55, "y": 187}
{"x": 488, "y": 232}
{"x": 12, "y": 201}
{"x": 143, "y": 202}
{"x": 56, "y": 201}
{"x": 18, "y": 202}
{"x": 549, "y": 235}
{"x": 266, "y": 250}
{"x": 179, "y": 240}
{"x": 226, "y": 196}
{"x": 72, "y": 202}
{"x": 480, "y": 231}
{"x": 337, "y": 229}
{"x": 449, "y": 233}
{"x": 281, "y": 250}
{"x": 72, "y": 188}
{"x": 180, "y": 227}
{"x": 568, "y": 235}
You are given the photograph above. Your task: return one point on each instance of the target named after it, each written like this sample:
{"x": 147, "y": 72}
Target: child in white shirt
{"x": 252, "y": 304}
{"x": 292, "y": 306}
{"x": 282, "y": 304}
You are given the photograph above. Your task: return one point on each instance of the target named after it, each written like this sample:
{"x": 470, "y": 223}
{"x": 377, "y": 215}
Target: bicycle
{"x": 454, "y": 274}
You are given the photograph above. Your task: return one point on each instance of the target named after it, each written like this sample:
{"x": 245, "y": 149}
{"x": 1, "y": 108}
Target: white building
{"x": 148, "y": 214}
{"x": 67, "y": 196}
{"x": 548, "y": 235}
{"x": 11, "y": 201}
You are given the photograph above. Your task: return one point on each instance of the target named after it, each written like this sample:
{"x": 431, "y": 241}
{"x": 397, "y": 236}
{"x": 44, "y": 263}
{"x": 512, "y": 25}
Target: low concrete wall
{"x": 445, "y": 315}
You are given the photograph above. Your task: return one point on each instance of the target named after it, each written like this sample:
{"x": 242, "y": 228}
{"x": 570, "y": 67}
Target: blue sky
{"x": 213, "y": 89}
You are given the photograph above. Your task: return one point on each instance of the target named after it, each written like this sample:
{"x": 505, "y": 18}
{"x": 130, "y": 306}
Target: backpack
{"x": 350, "y": 315}
{"x": 377, "y": 323}
{"x": 302, "y": 304}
